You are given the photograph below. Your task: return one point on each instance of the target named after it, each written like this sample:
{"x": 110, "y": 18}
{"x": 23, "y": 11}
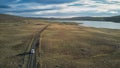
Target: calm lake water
{"x": 97, "y": 24}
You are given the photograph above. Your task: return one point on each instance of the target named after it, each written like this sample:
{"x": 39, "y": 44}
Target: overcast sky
{"x": 60, "y": 8}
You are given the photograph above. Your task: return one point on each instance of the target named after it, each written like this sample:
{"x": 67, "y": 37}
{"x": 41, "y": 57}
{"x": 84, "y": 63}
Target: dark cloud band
{"x": 47, "y": 1}
{"x": 4, "y": 6}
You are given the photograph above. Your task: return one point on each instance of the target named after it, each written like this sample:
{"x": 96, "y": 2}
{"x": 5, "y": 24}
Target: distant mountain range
{"x": 113, "y": 18}
{"x": 11, "y": 18}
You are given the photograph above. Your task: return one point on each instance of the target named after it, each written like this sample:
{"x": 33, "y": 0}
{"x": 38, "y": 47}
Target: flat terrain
{"x": 72, "y": 46}
{"x": 15, "y": 39}
{"x": 62, "y": 45}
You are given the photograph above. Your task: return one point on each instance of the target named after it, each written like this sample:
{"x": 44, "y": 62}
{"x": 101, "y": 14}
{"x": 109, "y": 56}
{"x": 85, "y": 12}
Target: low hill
{"x": 88, "y": 18}
{"x": 113, "y": 18}
{"x": 4, "y": 18}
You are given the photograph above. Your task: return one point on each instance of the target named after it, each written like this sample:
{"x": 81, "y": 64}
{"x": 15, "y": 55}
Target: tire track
{"x": 32, "y": 61}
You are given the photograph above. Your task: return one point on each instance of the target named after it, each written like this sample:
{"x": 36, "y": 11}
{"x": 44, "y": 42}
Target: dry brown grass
{"x": 72, "y": 46}
{"x": 14, "y": 39}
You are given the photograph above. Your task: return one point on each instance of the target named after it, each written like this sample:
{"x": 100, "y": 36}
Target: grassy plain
{"x": 72, "y": 46}
{"x": 62, "y": 45}
{"x": 15, "y": 36}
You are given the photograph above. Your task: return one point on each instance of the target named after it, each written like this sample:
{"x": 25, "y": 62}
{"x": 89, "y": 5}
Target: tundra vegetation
{"x": 65, "y": 45}
{"x": 15, "y": 36}
{"x": 62, "y": 45}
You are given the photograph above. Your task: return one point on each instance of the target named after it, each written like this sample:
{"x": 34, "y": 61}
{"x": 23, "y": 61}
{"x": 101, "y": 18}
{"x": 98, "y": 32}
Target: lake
{"x": 97, "y": 24}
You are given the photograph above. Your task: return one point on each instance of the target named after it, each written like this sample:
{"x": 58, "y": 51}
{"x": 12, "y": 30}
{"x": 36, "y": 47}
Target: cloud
{"x": 17, "y": 1}
{"x": 114, "y": 12}
{"x": 3, "y": 2}
{"x": 47, "y": 1}
{"x": 113, "y": 0}
{"x": 63, "y": 8}
{"x": 4, "y": 6}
